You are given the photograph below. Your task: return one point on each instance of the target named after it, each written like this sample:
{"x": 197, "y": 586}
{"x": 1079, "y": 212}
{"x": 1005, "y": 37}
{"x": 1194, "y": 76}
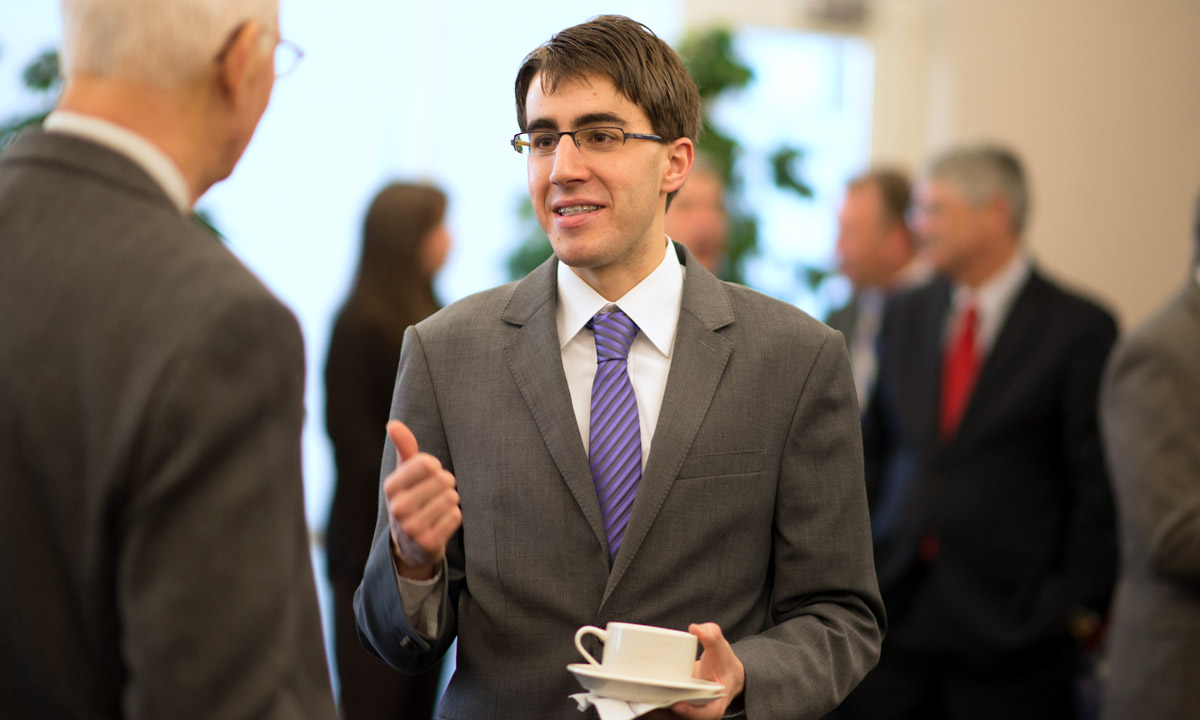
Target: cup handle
{"x": 589, "y": 630}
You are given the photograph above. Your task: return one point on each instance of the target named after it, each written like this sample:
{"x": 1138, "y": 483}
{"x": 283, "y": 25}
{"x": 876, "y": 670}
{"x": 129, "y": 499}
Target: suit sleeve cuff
{"x": 420, "y": 599}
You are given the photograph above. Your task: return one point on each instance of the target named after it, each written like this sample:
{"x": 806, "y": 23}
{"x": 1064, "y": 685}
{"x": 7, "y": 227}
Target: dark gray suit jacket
{"x": 1018, "y": 500}
{"x": 1150, "y": 413}
{"x": 154, "y": 560}
{"x": 751, "y": 511}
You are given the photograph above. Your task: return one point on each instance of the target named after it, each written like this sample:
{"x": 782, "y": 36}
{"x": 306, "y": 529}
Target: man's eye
{"x": 602, "y": 136}
{"x": 543, "y": 141}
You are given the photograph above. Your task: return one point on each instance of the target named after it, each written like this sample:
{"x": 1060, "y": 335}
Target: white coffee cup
{"x": 642, "y": 651}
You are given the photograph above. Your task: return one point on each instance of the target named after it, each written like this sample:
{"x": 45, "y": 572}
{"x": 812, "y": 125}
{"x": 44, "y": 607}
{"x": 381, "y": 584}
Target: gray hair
{"x": 981, "y": 172}
{"x": 160, "y": 43}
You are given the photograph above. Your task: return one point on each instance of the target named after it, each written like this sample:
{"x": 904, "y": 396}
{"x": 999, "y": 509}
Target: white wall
{"x": 1099, "y": 96}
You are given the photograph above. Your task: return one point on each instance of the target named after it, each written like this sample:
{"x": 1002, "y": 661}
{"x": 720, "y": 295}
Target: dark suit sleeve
{"x": 1091, "y": 561}
{"x": 829, "y": 619}
{"x": 382, "y": 624}
{"x": 215, "y": 585}
{"x": 1152, "y": 436}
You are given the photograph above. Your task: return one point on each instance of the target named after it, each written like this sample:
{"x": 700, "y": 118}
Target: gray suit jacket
{"x": 751, "y": 511}
{"x": 154, "y": 559}
{"x": 1150, "y": 415}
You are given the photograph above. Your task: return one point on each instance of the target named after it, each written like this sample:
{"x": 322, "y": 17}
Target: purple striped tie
{"x": 615, "y": 445}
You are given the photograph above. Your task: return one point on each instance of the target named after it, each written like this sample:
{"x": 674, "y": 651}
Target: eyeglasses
{"x": 597, "y": 139}
{"x": 287, "y": 56}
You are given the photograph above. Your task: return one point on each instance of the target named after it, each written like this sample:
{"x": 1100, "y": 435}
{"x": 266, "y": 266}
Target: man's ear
{"x": 238, "y": 62}
{"x": 681, "y": 153}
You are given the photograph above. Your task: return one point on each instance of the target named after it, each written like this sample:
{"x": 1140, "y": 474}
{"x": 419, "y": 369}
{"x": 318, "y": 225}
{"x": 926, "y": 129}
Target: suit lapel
{"x": 697, "y": 364}
{"x": 925, "y": 372}
{"x": 535, "y": 360}
{"x": 1024, "y": 320}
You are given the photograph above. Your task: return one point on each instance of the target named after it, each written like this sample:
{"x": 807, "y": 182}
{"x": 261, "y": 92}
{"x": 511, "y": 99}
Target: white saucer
{"x": 623, "y": 687}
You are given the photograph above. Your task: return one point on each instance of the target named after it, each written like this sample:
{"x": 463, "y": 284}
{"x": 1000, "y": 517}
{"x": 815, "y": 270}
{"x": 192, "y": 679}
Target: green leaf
{"x": 42, "y": 74}
{"x": 782, "y": 163}
{"x": 710, "y": 58}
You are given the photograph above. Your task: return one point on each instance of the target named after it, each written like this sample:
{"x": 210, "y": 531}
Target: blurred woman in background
{"x": 404, "y": 243}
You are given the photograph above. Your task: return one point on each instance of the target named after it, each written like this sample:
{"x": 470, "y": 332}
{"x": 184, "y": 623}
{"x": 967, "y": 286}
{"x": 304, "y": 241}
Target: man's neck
{"x": 988, "y": 264}
{"x": 613, "y": 281}
{"x": 165, "y": 119}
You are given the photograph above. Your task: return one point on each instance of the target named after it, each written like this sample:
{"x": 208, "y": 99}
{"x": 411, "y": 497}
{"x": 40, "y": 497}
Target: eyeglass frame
{"x": 517, "y": 144}
{"x": 296, "y": 53}
{"x": 295, "y": 50}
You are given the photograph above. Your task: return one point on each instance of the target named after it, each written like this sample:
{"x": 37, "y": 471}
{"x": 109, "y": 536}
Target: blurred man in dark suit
{"x": 991, "y": 510}
{"x": 878, "y": 255}
{"x": 154, "y": 559}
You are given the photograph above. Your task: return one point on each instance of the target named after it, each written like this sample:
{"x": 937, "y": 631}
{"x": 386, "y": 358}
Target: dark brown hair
{"x": 392, "y": 285}
{"x": 894, "y": 188}
{"x": 640, "y": 65}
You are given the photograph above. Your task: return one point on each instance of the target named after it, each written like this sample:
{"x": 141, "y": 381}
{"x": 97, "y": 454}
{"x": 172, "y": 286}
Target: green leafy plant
{"x": 42, "y": 78}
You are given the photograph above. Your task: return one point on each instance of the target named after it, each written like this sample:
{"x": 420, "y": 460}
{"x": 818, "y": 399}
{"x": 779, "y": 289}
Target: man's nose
{"x": 569, "y": 162}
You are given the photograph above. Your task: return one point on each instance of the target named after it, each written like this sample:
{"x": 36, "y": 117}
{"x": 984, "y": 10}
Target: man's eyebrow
{"x": 541, "y": 124}
{"x": 600, "y": 118}
{"x": 596, "y": 119}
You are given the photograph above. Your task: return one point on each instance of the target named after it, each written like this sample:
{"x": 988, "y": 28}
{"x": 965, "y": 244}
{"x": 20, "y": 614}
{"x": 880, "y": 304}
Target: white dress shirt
{"x": 653, "y": 305}
{"x": 992, "y": 300}
{"x": 161, "y": 168}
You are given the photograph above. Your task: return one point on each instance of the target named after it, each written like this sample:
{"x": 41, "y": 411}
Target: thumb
{"x": 706, "y": 632}
{"x": 403, "y": 439}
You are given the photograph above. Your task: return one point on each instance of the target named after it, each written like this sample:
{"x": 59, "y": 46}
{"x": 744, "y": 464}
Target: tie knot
{"x": 969, "y": 319}
{"x": 614, "y": 334}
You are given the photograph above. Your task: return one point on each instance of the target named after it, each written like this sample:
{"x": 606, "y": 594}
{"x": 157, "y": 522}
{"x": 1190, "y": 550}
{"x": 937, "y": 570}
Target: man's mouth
{"x": 576, "y": 209}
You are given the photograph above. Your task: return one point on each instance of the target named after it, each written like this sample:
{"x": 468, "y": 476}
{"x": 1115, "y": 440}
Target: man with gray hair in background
{"x": 154, "y": 560}
{"x": 991, "y": 511}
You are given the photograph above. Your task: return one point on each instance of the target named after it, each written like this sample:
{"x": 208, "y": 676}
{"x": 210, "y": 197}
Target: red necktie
{"x": 959, "y": 369}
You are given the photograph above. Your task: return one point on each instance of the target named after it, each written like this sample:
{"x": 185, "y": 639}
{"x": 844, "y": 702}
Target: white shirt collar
{"x": 161, "y": 168}
{"x": 998, "y": 291}
{"x": 653, "y": 304}
{"x": 994, "y": 297}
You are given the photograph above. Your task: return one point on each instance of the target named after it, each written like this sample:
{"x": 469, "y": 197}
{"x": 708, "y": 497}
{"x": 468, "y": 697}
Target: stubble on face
{"x": 603, "y": 213}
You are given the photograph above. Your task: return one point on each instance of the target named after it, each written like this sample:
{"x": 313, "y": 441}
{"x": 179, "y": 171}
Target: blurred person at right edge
{"x": 698, "y": 219}
{"x": 991, "y": 510}
{"x": 404, "y": 243}
{"x": 1150, "y": 415}
{"x": 877, "y": 253}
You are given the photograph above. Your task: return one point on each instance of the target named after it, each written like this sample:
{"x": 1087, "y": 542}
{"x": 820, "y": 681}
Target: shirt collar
{"x": 161, "y": 168}
{"x": 997, "y": 293}
{"x": 653, "y": 304}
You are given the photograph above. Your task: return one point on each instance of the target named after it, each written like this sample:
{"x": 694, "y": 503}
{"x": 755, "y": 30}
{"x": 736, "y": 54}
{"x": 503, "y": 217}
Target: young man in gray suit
{"x": 739, "y": 511}
{"x": 154, "y": 560}
{"x": 1150, "y": 414}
